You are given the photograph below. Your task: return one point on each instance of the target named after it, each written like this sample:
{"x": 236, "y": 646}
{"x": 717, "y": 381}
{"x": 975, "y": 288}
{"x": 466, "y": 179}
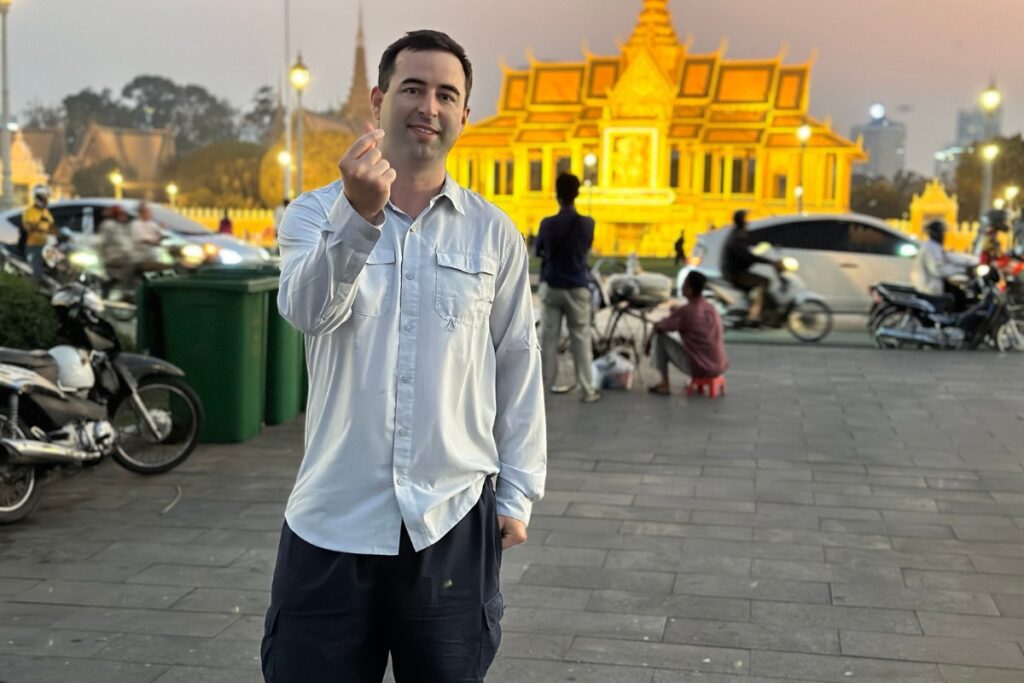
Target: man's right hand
{"x": 367, "y": 176}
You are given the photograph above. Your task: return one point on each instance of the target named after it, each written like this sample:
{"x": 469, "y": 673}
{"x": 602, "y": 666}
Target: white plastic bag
{"x": 612, "y": 371}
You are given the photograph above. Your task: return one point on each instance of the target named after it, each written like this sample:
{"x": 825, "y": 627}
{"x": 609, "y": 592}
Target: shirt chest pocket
{"x": 465, "y": 286}
{"x": 373, "y": 295}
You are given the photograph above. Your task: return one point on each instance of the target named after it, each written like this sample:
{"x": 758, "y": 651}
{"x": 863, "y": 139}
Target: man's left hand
{"x": 513, "y": 532}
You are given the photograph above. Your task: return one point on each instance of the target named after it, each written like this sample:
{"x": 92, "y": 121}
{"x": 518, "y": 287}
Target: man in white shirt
{"x": 934, "y": 264}
{"x": 425, "y": 434}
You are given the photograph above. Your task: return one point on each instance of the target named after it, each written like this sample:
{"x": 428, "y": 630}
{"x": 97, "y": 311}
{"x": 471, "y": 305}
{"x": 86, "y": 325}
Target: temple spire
{"x": 654, "y": 26}
{"x": 357, "y": 108}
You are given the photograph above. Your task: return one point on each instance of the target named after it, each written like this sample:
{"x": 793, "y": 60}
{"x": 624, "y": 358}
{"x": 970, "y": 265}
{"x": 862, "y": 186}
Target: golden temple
{"x": 665, "y": 141}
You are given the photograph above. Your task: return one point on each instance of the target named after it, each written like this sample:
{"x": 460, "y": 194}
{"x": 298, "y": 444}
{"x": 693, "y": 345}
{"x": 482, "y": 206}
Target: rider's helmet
{"x": 41, "y": 194}
{"x": 998, "y": 219}
{"x": 936, "y": 230}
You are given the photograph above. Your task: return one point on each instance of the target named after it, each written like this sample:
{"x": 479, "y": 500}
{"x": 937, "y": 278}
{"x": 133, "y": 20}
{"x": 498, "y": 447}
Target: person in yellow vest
{"x": 36, "y": 225}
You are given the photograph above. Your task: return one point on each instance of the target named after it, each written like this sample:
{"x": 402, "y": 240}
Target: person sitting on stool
{"x": 701, "y": 353}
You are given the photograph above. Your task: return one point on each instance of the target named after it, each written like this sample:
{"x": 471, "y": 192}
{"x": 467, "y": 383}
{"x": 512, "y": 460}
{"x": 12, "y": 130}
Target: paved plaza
{"x": 844, "y": 514}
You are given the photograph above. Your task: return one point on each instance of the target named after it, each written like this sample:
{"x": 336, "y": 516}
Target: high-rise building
{"x": 885, "y": 141}
{"x": 973, "y": 125}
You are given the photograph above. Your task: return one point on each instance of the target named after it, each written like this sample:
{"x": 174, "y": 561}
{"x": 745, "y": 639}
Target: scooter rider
{"x": 991, "y": 247}
{"x": 37, "y": 225}
{"x": 737, "y": 260}
{"x": 934, "y": 264}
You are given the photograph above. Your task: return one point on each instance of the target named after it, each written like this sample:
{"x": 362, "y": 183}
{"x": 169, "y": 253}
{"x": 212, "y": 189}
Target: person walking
{"x": 425, "y": 442}
{"x": 562, "y": 244}
{"x": 679, "y": 250}
{"x": 225, "y": 227}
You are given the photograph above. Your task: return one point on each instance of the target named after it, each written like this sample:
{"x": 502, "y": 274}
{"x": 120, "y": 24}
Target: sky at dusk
{"x": 924, "y": 59}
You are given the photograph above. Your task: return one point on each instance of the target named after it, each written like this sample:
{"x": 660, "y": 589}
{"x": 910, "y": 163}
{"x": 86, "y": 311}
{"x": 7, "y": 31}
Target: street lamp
{"x": 988, "y": 155}
{"x": 803, "y": 134}
{"x": 299, "y": 76}
{"x": 172, "y": 193}
{"x": 1011, "y": 193}
{"x": 7, "y": 200}
{"x": 117, "y": 180}
{"x": 991, "y": 98}
{"x": 284, "y": 159}
{"x": 589, "y": 167}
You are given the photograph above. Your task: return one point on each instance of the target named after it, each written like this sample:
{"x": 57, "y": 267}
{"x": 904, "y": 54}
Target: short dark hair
{"x": 567, "y": 188}
{"x": 422, "y": 41}
{"x": 739, "y": 218}
{"x": 695, "y": 281}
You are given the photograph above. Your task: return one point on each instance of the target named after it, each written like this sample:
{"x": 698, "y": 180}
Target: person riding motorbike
{"x": 36, "y": 226}
{"x": 992, "y": 252}
{"x": 934, "y": 265}
{"x": 738, "y": 259}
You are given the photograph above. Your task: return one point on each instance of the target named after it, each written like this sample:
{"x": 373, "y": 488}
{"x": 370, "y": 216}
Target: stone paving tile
{"x": 213, "y": 556}
{"x": 752, "y": 588}
{"x": 1010, "y": 605}
{"x": 155, "y": 622}
{"x": 95, "y": 594}
{"x": 24, "y": 640}
{"x": 970, "y": 674}
{"x": 694, "y": 658}
{"x": 595, "y": 577}
{"x": 971, "y": 627}
{"x": 683, "y": 606}
{"x": 981, "y": 583}
{"x": 932, "y": 649}
{"x": 224, "y": 601}
{"x": 834, "y": 618}
{"x": 572, "y": 622}
{"x": 513, "y": 670}
{"x": 15, "y": 669}
{"x": 753, "y": 636}
{"x": 830, "y": 669}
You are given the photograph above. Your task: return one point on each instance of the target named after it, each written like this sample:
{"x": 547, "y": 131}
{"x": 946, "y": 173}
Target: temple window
{"x": 673, "y": 168}
{"x": 503, "y": 176}
{"x": 470, "y": 174}
{"x": 744, "y": 170}
{"x": 830, "y": 176}
{"x": 536, "y": 158}
{"x": 714, "y": 173}
{"x": 779, "y": 185}
{"x": 563, "y": 162}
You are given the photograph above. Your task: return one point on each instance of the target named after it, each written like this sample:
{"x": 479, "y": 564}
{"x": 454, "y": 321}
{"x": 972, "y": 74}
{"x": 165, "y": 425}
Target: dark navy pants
{"x": 336, "y": 616}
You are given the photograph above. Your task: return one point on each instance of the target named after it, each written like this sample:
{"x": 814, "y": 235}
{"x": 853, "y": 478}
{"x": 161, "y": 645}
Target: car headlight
{"x": 264, "y": 254}
{"x": 230, "y": 257}
{"x": 790, "y": 264}
{"x": 192, "y": 255}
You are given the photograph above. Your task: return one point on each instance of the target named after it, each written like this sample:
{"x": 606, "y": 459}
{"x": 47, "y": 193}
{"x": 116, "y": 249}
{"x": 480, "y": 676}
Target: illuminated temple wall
{"x": 681, "y": 140}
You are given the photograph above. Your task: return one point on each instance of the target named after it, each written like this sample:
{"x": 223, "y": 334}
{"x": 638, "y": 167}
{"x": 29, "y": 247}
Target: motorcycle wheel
{"x": 809, "y": 321}
{"x": 178, "y": 414}
{"x": 897, "y": 319}
{"x": 879, "y": 314}
{"x": 1010, "y": 336}
{"x": 20, "y": 488}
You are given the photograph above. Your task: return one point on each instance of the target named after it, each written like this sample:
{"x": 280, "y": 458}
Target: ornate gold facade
{"x": 680, "y": 141}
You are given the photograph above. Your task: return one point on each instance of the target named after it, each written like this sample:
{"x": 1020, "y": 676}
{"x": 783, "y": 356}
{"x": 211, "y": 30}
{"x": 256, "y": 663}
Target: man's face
{"x": 424, "y": 110}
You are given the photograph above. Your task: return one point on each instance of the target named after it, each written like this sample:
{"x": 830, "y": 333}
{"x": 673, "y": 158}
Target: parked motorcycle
{"x": 81, "y": 401}
{"x": 788, "y": 303}
{"x": 905, "y": 317}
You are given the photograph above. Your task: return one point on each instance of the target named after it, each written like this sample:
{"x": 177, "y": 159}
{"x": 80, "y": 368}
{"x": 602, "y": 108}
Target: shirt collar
{"x": 454, "y": 192}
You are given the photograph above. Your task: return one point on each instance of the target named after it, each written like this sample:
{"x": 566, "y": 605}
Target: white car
{"x": 83, "y": 216}
{"x": 841, "y": 255}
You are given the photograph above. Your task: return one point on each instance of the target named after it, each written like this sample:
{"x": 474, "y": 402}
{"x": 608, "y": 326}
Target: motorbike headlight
{"x": 790, "y": 264}
{"x": 264, "y": 254}
{"x": 210, "y": 249}
{"x": 230, "y": 257}
{"x": 982, "y": 270}
{"x": 192, "y": 255}
{"x": 84, "y": 259}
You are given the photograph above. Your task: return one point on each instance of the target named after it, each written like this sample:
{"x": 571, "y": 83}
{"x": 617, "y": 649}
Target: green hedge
{"x": 27, "y": 320}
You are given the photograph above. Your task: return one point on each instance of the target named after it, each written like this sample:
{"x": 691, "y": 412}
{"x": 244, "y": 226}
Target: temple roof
{"x": 654, "y": 26}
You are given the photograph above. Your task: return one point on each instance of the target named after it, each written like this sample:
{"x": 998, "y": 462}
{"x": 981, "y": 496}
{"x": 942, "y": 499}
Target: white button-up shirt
{"x": 424, "y": 368}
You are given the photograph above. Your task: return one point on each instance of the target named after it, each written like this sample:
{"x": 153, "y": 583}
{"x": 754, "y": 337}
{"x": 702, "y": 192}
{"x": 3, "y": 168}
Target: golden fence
{"x": 255, "y": 226}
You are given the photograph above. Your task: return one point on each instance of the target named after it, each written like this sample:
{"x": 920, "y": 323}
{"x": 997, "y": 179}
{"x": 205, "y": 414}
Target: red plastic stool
{"x": 714, "y": 386}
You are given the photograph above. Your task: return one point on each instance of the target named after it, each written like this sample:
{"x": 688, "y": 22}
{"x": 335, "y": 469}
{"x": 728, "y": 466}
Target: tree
{"x": 256, "y": 123}
{"x": 87, "y": 106}
{"x": 222, "y": 173}
{"x": 1007, "y": 169}
{"x": 884, "y": 198}
{"x": 319, "y": 167}
{"x": 196, "y": 117}
{"x": 39, "y": 115}
{"x": 92, "y": 181}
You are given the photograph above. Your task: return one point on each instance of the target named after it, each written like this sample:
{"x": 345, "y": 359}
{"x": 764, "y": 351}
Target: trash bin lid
{"x": 242, "y": 284}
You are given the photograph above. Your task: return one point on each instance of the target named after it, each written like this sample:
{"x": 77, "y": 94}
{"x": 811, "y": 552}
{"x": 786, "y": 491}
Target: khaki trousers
{"x": 574, "y": 305}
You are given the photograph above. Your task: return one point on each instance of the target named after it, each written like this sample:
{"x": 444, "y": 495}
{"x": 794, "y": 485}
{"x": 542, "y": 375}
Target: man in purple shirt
{"x": 699, "y": 350}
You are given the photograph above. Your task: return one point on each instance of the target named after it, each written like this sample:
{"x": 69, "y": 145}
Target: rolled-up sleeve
{"x": 519, "y": 429}
{"x": 323, "y": 251}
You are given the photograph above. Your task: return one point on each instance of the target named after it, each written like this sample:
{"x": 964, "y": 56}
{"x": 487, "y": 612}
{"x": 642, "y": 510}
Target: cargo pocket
{"x": 373, "y": 289}
{"x": 267, "y": 646}
{"x": 494, "y": 609}
{"x": 465, "y": 286}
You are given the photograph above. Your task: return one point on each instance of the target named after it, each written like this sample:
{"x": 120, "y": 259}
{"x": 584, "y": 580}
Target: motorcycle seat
{"x": 904, "y": 293}
{"x": 36, "y": 361}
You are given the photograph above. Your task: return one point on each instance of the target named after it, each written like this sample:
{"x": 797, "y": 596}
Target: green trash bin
{"x": 214, "y": 326}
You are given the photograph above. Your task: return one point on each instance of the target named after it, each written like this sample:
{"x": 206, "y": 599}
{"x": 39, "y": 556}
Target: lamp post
{"x": 991, "y": 98}
{"x": 299, "y": 76}
{"x": 117, "y": 180}
{"x": 803, "y": 134}
{"x": 589, "y": 164}
{"x": 7, "y": 201}
{"x": 284, "y": 158}
{"x": 988, "y": 155}
{"x": 287, "y": 168}
{"x": 172, "y": 193}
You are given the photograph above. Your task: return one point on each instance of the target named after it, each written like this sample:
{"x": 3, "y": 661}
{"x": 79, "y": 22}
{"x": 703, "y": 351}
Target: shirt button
{"x": 408, "y": 276}
{"x": 408, "y": 328}
{"x": 403, "y": 432}
{"x": 402, "y": 481}
{"x": 406, "y": 379}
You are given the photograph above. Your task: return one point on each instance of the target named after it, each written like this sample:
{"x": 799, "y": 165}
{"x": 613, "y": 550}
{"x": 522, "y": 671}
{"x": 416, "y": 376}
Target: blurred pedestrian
{"x": 679, "y": 251}
{"x": 279, "y": 214}
{"x": 562, "y": 244}
{"x": 36, "y": 226}
{"x": 117, "y": 247}
{"x": 225, "y": 227}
